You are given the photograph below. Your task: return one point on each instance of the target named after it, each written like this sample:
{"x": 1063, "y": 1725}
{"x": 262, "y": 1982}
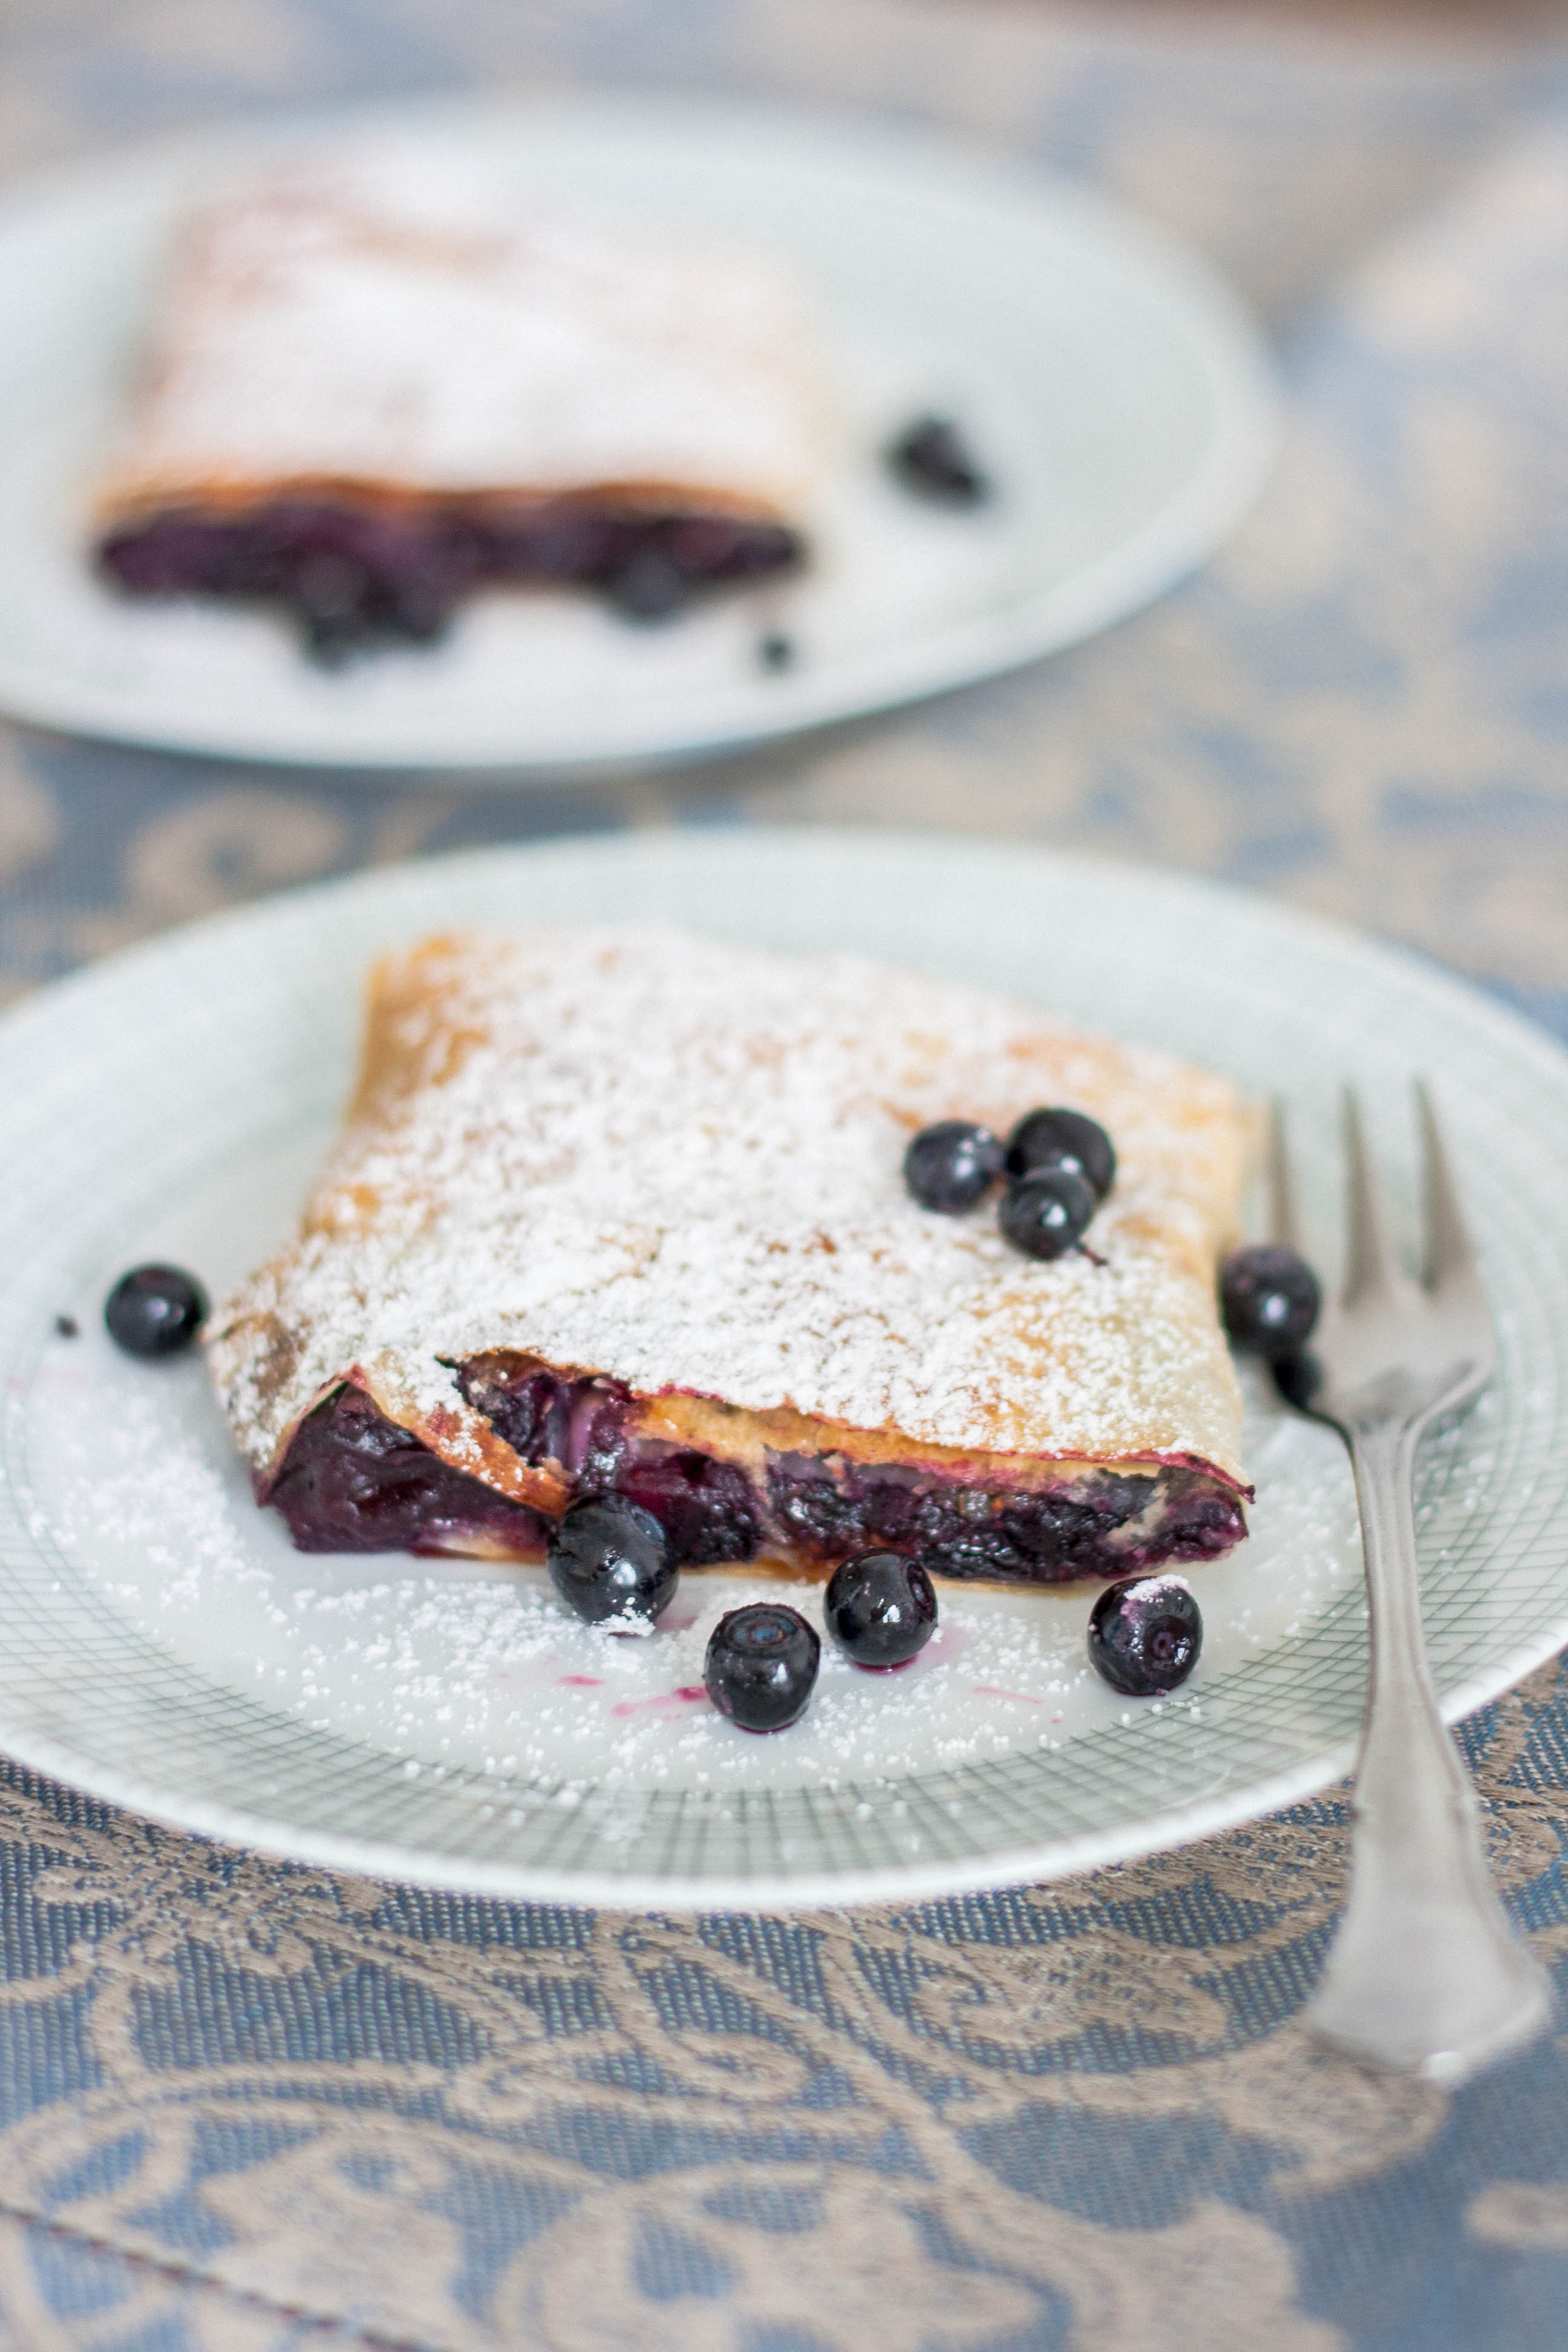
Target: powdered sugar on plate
{"x": 678, "y": 1162}
{"x": 455, "y": 1668}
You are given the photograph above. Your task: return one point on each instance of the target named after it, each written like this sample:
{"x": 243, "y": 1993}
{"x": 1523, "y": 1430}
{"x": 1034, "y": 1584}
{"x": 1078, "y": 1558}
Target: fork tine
{"x": 1281, "y": 1193}
{"x": 1369, "y": 1262}
{"x": 1449, "y": 1252}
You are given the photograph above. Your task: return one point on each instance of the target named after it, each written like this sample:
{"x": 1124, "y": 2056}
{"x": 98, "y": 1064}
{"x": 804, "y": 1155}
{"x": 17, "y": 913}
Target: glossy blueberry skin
{"x": 610, "y": 1559}
{"x": 952, "y": 1166}
{"x": 1064, "y": 1138}
{"x": 1144, "y": 1635}
{"x": 761, "y": 1666}
{"x": 155, "y": 1310}
{"x": 1047, "y": 1213}
{"x": 880, "y": 1610}
{"x": 931, "y": 459}
{"x": 1269, "y": 1300}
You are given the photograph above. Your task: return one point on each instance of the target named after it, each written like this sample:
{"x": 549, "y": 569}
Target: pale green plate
{"x": 166, "y": 1648}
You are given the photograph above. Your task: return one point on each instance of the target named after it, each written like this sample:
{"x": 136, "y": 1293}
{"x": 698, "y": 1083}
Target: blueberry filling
{"x": 355, "y": 577}
{"x": 827, "y": 1506}
{"x": 705, "y": 1506}
{"x": 355, "y": 1482}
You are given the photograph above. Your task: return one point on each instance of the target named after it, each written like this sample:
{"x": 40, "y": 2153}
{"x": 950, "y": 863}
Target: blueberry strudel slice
{"x": 624, "y": 1212}
{"x": 379, "y": 385}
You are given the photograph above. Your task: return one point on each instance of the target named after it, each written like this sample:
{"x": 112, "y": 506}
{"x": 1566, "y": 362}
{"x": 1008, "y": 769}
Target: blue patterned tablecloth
{"x": 245, "y": 2104}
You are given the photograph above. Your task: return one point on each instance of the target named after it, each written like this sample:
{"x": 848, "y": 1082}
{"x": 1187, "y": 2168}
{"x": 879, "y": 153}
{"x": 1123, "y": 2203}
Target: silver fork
{"x": 1425, "y": 1973}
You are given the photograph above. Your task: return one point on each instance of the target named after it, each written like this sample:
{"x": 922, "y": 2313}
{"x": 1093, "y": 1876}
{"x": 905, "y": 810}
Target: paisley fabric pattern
{"x": 248, "y": 2106}
{"x": 1051, "y": 2117}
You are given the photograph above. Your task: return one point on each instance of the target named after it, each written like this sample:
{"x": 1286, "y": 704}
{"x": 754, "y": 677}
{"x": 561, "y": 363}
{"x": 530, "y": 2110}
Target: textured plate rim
{"x": 1184, "y": 532}
{"x": 1025, "y": 1863}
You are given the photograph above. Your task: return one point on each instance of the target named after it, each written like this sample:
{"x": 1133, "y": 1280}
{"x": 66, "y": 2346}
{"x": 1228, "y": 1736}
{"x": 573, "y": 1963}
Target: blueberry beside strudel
{"x": 623, "y": 1211}
{"x": 381, "y": 385}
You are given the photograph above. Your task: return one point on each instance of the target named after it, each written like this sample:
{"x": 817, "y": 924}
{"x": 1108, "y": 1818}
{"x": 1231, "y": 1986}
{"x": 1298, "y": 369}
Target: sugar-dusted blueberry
{"x": 1047, "y": 1213}
{"x": 952, "y": 1165}
{"x": 1144, "y": 1635}
{"x": 931, "y": 458}
{"x": 155, "y": 1310}
{"x": 880, "y": 1610}
{"x": 1269, "y": 1298}
{"x": 1062, "y": 1139}
{"x": 610, "y": 1559}
{"x": 761, "y": 1666}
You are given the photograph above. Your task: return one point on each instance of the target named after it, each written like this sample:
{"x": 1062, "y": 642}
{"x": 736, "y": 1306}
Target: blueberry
{"x": 1298, "y": 1378}
{"x": 880, "y": 1610}
{"x": 929, "y": 458}
{"x": 952, "y": 1165}
{"x": 1269, "y": 1298}
{"x": 761, "y": 1666}
{"x": 1062, "y": 1139}
{"x": 609, "y": 1557}
{"x": 1144, "y": 1635}
{"x": 1047, "y": 1213}
{"x": 155, "y": 1310}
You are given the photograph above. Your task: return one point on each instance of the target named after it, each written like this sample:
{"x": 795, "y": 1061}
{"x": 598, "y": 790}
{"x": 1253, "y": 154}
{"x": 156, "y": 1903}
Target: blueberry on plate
{"x": 880, "y": 1610}
{"x": 155, "y": 1310}
{"x": 1144, "y": 1635}
{"x": 1062, "y": 1139}
{"x": 1269, "y": 1298}
{"x": 610, "y": 1559}
{"x": 761, "y": 1666}
{"x": 952, "y": 1165}
{"x": 1298, "y": 1378}
{"x": 1047, "y": 1213}
{"x": 931, "y": 459}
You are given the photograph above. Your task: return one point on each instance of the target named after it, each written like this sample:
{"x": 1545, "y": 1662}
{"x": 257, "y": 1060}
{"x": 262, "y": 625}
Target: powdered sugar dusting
{"x": 406, "y": 321}
{"x": 678, "y": 1163}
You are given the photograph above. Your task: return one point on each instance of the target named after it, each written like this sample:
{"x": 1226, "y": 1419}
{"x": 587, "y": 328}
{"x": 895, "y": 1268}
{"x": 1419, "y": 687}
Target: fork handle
{"x": 1425, "y": 1973}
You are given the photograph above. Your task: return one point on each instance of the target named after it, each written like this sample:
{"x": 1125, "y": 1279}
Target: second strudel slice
{"x": 382, "y": 383}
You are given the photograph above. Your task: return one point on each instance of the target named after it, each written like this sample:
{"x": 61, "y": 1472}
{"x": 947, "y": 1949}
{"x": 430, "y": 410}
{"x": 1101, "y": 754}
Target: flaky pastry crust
{"x": 672, "y": 1167}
